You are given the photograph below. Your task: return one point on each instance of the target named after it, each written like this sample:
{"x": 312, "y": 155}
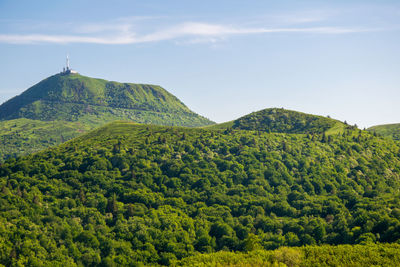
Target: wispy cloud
{"x": 128, "y": 33}
{"x": 299, "y": 18}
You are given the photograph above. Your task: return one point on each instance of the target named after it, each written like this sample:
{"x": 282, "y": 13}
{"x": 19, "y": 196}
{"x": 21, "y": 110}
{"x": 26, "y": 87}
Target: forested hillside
{"x": 128, "y": 193}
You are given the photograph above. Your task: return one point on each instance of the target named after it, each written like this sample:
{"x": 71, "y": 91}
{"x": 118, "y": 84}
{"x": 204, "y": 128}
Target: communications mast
{"x": 67, "y": 69}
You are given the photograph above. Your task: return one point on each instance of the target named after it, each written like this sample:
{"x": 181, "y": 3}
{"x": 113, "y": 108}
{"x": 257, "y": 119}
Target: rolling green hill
{"x": 73, "y": 97}
{"x": 130, "y": 194}
{"x": 64, "y": 106}
{"x": 387, "y": 130}
{"x": 279, "y": 120}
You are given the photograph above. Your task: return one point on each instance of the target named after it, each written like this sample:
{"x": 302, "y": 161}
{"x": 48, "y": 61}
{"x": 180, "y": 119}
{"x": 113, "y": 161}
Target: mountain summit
{"x": 68, "y": 104}
{"x": 73, "y": 97}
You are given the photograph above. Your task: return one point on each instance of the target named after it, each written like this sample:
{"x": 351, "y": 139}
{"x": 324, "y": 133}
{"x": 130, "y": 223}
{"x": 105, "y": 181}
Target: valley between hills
{"x": 100, "y": 173}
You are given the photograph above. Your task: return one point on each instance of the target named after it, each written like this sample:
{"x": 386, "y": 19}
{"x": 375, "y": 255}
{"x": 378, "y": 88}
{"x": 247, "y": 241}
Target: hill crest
{"x": 391, "y": 130}
{"x": 281, "y": 120}
{"x": 74, "y": 97}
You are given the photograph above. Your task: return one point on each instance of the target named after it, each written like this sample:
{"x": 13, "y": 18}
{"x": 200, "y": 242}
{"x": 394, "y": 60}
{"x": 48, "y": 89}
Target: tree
{"x": 252, "y": 242}
{"x": 112, "y": 205}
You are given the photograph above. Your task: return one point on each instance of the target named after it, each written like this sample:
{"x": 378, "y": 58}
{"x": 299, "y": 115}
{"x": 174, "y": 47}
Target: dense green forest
{"x": 387, "y": 130}
{"x": 128, "y": 193}
{"x": 65, "y": 106}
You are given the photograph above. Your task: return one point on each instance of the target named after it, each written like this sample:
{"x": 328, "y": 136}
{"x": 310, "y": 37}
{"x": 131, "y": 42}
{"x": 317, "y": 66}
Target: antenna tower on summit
{"x": 67, "y": 69}
{"x": 67, "y": 62}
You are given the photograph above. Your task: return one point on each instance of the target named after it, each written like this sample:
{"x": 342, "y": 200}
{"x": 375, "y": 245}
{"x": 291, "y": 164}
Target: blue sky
{"x": 223, "y": 59}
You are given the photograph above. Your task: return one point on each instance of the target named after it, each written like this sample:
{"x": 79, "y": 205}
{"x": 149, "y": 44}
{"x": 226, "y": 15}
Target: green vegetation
{"x": 127, "y": 194}
{"x": 279, "y": 120}
{"x": 78, "y": 98}
{"x": 24, "y": 136}
{"x": 75, "y": 104}
{"x": 342, "y": 255}
{"x": 387, "y": 130}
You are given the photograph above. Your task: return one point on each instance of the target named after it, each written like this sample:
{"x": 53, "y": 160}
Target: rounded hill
{"x": 281, "y": 120}
{"x": 73, "y": 97}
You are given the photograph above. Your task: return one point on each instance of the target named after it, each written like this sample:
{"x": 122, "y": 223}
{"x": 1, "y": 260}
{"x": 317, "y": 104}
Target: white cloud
{"x": 123, "y": 33}
{"x": 60, "y": 39}
{"x": 96, "y": 28}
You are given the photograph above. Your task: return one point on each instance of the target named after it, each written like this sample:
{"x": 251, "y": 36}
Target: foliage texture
{"x": 127, "y": 194}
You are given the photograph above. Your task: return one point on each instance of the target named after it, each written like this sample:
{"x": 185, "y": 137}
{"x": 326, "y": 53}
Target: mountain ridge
{"x": 72, "y": 97}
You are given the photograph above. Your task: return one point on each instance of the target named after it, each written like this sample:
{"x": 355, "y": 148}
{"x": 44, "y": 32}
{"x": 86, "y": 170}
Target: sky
{"x": 223, "y": 59}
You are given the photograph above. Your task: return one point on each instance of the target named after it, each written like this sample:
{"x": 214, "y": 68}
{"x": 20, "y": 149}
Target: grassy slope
{"x": 387, "y": 130}
{"x": 78, "y": 98}
{"x": 19, "y": 137}
{"x": 80, "y": 89}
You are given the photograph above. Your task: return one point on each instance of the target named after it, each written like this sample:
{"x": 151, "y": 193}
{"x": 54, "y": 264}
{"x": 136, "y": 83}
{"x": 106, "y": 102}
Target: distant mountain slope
{"x": 24, "y": 136}
{"x": 280, "y": 120}
{"x": 64, "y": 106}
{"x": 387, "y": 130}
{"x": 73, "y": 97}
